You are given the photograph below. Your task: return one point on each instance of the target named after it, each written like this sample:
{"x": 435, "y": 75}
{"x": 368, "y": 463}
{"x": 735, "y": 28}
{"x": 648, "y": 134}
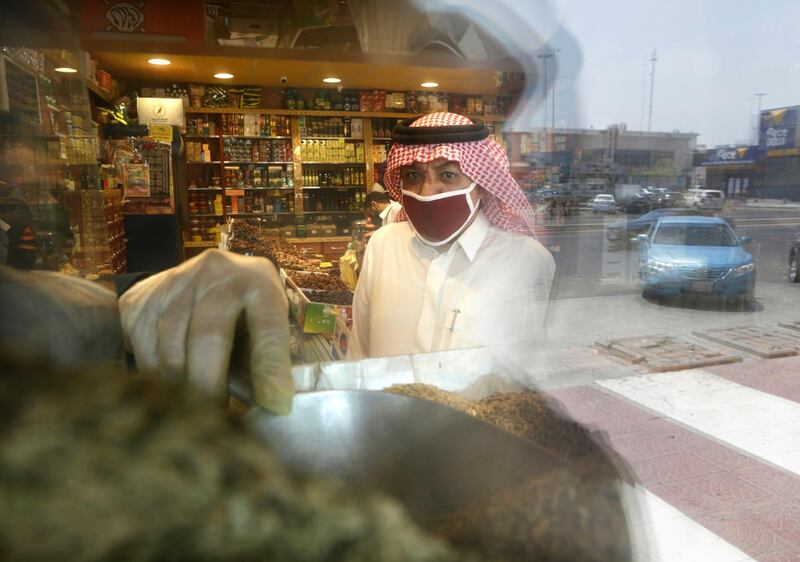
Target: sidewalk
{"x": 716, "y": 452}
{"x": 764, "y": 203}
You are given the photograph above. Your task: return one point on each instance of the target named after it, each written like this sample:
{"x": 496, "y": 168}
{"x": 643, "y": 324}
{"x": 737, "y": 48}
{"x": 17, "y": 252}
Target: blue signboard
{"x": 778, "y": 128}
{"x": 734, "y": 155}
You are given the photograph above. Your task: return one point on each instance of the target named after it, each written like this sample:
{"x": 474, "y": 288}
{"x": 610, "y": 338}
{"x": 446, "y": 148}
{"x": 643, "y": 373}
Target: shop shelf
{"x": 333, "y": 138}
{"x": 95, "y": 89}
{"x": 201, "y": 136}
{"x": 226, "y": 162}
{"x": 251, "y": 188}
{"x": 333, "y": 163}
{"x": 243, "y": 215}
{"x": 313, "y": 113}
{"x": 255, "y": 137}
{"x": 333, "y": 187}
{"x": 333, "y": 212}
{"x": 202, "y": 162}
{"x": 204, "y": 188}
{"x": 203, "y": 244}
{"x": 205, "y": 215}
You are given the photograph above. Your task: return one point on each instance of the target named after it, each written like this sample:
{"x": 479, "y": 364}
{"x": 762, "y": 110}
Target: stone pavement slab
{"x": 765, "y": 342}
{"x": 665, "y": 353}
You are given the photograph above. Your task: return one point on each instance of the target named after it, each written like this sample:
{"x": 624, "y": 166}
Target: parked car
{"x": 637, "y": 204}
{"x": 658, "y": 199}
{"x": 675, "y": 199}
{"x": 707, "y": 199}
{"x": 693, "y": 254}
{"x": 619, "y": 234}
{"x": 604, "y": 203}
{"x": 669, "y": 198}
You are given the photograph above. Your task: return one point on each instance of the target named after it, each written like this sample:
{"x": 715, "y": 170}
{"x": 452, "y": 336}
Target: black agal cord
{"x": 405, "y": 134}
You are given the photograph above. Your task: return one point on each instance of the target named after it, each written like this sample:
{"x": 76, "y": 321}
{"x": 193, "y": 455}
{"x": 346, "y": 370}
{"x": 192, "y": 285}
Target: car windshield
{"x": 695, "y": 235}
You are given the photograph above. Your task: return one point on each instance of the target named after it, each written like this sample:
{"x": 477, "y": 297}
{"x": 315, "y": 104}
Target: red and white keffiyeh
{"x": 483, "y": 161}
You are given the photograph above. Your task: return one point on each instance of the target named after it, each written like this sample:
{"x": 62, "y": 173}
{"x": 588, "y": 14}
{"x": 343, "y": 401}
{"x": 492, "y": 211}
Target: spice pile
{"x": 253, "y": 240}
{"x": 344, "y": 298}
{"x": 160, "y": 473}
{"x": 318, "y": 282}
{"x": 562, "y": 515}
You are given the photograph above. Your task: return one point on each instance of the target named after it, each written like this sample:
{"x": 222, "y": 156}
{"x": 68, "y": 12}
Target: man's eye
{"x": 449, "y": 176}
{"x": 411, "y": 176}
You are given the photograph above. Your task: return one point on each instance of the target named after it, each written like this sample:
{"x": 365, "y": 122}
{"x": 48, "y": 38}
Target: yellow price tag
{"x": 161, "y": 133}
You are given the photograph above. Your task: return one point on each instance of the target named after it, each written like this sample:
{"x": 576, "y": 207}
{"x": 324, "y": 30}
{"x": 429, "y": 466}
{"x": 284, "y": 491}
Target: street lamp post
{"x": 546, "y": 56}
{"x": 759, "y": 95}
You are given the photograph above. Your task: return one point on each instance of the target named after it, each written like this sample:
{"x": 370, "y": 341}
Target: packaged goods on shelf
{"x": 333, "y": 151}
{"x": 96, "y": 219}
{"x": 257, "y": 150}
{"x": 336, "y": 177}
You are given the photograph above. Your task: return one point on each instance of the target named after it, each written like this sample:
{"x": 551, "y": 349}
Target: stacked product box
{"x": 96, "y": 219}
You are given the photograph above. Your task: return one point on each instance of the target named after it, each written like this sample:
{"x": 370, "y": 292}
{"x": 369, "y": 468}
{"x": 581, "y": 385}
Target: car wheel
{"x": 794, "y": 274}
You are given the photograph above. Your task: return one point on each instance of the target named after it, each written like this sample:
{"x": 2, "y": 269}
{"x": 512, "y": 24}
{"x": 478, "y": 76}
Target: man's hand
{"x": 182, "y": 323}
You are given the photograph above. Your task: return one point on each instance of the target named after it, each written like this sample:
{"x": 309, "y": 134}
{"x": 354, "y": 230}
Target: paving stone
{"x": 665, "y": 353}
{"x": 764, "y": 342}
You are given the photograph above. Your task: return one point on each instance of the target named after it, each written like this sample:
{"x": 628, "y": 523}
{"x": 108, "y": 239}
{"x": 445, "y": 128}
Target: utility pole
{"x": 759, "y": 95}
{"x": 644, "y": 93}
{"x": 546, "y": 56}
{"x": 653, "y": 60}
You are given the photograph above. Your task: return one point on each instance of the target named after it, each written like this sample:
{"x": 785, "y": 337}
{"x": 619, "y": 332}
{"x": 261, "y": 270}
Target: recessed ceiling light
{"x": 223, "y": 75}
{"x": 331, "y": 80}
{"x": 429, "y": 84}
{"x": 66, "y": 69}
{"x": 159, "y": 62}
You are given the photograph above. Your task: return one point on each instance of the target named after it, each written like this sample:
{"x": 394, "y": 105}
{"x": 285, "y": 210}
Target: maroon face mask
{"x": 439, "y": 219}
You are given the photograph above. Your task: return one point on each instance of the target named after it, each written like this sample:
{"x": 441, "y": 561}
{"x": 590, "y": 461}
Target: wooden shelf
{"x": 312, "y": 113}
{"x": 333, "y": 212}
{"x": 332, "y": 163}
{"x": 201, "y": 162}
{"x": 254, "y": 137}
{"x": 99, "y": 93}
{"x": 204, "y": 188}
{"x": 333, "y": 138}
{"x": 203, "y": 244}
{"x": 251, "y": 188}
{"x": 245, "y": 215}
{"x": 227, "y": 162}
{"x": 333, "y": 187}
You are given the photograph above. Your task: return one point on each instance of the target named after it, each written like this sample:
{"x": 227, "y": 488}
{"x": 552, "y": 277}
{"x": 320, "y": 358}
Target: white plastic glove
{"x": 182, "y": 322}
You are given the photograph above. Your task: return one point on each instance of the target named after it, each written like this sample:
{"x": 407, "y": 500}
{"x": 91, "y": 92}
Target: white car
{"x": 707, "y": 199}
{"x": 604, "y": 203}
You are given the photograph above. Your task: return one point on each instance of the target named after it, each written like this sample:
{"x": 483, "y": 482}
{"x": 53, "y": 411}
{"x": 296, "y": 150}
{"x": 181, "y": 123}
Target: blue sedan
{"x": 691, "y": 254}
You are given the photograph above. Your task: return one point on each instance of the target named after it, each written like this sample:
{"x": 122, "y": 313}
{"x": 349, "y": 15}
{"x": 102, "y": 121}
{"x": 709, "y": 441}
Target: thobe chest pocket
{"x": 495, "y": 319}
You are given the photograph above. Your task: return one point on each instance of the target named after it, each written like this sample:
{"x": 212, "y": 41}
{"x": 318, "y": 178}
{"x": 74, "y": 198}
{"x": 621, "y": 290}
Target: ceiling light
{"x": 66, "y": 69}
{"x": 223, "y": 75}
{"x": 331, "y": 80}
{"x": 429, "y": 84}
{"x": 159, "y": 62}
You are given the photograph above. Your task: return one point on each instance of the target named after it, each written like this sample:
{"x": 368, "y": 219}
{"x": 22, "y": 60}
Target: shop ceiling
{"x": 367, "y": 43}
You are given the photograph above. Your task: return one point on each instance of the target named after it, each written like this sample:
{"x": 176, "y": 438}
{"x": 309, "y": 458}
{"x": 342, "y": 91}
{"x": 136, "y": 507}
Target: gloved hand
{"x": 182, "y": 323}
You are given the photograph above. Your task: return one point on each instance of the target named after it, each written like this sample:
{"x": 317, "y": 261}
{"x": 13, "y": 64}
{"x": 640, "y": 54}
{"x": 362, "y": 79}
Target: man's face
{"x": 435, "y": 177}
